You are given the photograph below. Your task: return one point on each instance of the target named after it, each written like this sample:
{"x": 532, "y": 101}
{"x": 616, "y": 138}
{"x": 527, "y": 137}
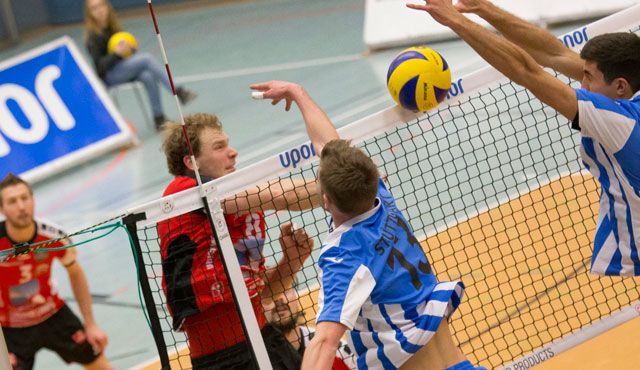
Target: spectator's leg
{"x": 129, "y": 69}
{"x": 154, "y": 67}
{"x": 148, "y": 80}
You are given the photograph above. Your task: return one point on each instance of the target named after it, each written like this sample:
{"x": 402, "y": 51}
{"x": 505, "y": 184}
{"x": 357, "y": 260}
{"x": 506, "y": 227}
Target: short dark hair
{"x": 348, "y": 177}
{"x": 12, "y": 180}
{"x": 174, "y": 145}
{"x": 616, "y": 55}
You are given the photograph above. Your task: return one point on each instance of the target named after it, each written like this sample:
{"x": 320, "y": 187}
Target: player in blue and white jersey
{"x": 376, "y": 282}
{"x": 606, "y": 110}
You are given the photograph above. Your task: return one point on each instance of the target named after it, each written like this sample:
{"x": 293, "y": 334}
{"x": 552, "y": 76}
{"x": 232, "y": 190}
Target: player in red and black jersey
{"x": 32, "y": 314}
{"x": 197, "y": 290}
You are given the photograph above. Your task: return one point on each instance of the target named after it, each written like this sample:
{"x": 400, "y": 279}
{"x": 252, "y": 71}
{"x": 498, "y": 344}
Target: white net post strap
{"x": 4, "y": 353}
{"x": 570, "y": 341}
{"x": 245, "y": 307}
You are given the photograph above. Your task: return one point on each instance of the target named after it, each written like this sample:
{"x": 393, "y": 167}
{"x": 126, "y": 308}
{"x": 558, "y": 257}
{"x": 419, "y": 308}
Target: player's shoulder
{"x": 47, "y": 230}
{"x": 350, "y": 253}
{"x": 633, "y": 106}
{"x": 336, "y": 237}
{"x": 348, "y": 237}
{"x": 629, "y": 108}
{"x": 178, "y": 184}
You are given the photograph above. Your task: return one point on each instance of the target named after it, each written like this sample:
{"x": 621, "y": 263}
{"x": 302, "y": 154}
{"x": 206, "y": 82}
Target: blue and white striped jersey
{"x": 377, "y": 281}
{"x": 611, "y": 152}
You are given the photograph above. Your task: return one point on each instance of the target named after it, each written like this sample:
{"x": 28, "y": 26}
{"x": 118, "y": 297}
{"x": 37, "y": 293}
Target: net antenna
{"x": 218, "y": 225}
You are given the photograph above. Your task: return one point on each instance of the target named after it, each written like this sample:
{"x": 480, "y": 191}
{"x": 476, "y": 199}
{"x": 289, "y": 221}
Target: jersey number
{"x": 25, "y": 273}
{"x": 252, "y": 226}
{"x": 395, "y": 254}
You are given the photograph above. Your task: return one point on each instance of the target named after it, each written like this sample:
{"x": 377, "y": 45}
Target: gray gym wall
{"x": 32, "y": 14}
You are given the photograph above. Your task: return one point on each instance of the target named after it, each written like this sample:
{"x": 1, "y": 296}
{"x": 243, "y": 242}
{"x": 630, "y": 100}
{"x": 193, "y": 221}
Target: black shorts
{"x": 63, "y": 333}
{"x": 238, "y": 357}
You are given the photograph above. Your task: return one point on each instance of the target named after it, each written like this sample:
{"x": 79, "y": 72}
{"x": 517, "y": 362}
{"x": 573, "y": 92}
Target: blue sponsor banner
{"x": 54, "y": 112}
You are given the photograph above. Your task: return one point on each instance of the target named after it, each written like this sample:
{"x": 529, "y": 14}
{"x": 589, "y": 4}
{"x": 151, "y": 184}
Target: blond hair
{"x": 174, "y": 145}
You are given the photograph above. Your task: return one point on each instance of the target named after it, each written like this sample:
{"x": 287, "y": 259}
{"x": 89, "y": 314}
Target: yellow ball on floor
{"x": 117, "y": 37}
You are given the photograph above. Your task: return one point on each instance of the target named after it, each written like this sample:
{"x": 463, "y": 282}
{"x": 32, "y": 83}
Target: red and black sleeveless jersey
{"x": 193, "y": 274}
{"x": 27, "y": 296}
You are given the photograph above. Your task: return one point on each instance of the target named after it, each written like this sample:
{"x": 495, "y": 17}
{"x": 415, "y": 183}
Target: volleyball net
{"x": 493, "y": 186}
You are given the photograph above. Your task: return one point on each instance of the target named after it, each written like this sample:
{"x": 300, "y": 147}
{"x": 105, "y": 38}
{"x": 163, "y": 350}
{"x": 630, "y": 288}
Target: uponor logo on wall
{"x": 53, "y": 108}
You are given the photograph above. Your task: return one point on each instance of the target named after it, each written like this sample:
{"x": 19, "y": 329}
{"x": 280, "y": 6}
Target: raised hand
{"x": 469, "y": 6}
{"x": 442, "y": 11}
{"x": 277, "y": 91}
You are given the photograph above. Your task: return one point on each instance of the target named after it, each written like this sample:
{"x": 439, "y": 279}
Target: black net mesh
{"x": 493, "y": 187}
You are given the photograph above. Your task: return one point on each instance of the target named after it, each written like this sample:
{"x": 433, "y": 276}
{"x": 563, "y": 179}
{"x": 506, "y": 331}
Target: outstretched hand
{"x": 469, "y": 6}
{"x": 277, "y": 91}
{"x": 442, "y": 11}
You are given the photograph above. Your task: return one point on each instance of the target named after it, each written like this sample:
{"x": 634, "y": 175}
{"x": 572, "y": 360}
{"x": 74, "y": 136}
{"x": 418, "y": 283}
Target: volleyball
{"x": 418, "y": 79}
{"x": 117, "y": 37}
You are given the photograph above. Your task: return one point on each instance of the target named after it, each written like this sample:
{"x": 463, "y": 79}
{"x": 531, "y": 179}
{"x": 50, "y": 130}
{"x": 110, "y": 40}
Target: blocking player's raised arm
{"x": 319, "y": 126}
{"x": 542, "y": 45}
{"x": 506, "y": 57}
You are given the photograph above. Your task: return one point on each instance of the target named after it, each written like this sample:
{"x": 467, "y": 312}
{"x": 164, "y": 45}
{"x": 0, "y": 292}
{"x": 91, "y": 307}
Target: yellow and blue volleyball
{"x": 117, "y": 37}
{"x": 419, "y": 79}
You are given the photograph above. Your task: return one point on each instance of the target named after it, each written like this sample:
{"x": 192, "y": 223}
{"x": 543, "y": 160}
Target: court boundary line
{"x": 154, "y": 360}
{"x": 265, "y": 69}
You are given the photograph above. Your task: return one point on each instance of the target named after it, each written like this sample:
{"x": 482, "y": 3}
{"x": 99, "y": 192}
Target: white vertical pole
{"x": 236, "y": 280}
{"x": 4, "y": 353}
